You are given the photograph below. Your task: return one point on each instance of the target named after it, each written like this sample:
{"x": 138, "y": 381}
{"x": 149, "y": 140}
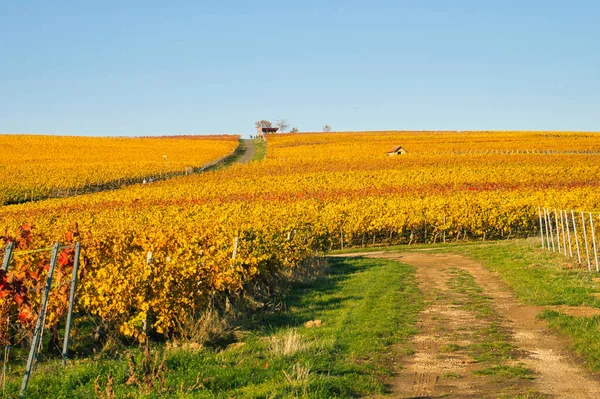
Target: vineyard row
{"x": 116, "y": 183}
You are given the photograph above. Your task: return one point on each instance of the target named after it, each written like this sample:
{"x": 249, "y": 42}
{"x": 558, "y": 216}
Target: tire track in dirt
{"x": 558, "y": 373}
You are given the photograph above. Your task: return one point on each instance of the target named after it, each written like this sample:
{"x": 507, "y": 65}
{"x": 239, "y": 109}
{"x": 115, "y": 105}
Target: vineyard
{"x": 38, "y": 167}
{"x": 155, "y": 255}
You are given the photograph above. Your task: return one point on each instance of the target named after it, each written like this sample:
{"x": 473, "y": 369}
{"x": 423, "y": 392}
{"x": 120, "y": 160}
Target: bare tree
{"x": 327, "y": 128}
{"x": 260, "y": 124}
{"x": 294, "y": 130}
{"x": 282, "y": 125}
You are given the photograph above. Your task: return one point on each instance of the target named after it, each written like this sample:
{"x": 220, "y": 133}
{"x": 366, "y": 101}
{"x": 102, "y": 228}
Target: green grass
{"x": 584, "y": 333}
{"x": 260, "y": 149}
{"x": 507, "y": 372}
{"x": 451, "y": 348}
{"x": 367, "y": 308}
{"x": 494, "y": 345}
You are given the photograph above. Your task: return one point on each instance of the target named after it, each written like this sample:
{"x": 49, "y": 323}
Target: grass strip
{"x": 260, "y": 149}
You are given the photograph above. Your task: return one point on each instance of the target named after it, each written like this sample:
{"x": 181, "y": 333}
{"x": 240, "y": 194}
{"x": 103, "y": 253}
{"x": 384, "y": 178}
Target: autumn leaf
{"x": 25, "y": 315}
{"x": 19, "y": 299}
{"x": 63, "y": 259}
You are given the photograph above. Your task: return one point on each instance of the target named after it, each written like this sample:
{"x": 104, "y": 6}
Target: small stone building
{"x": 267, "y": 130}
{"x": 396, "y": 150}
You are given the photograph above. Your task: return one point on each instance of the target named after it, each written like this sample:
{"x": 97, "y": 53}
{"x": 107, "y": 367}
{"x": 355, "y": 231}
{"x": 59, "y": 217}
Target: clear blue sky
{"x": 177, "y": 67}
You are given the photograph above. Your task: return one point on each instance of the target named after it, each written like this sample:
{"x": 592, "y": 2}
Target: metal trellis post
{"x": 541, "y": 225}
{"x": 587, "y": 250}
{"x": 551, "y": 230}
{"x": 576, "y": 238}
{"x": 7, "y": 255}
{"x": 564, "y": 236}
{"x": 37, "y": 332}
{"x": 557, "y": 231}
{"x": 547, "y": 229}
{"x": 568, "y": 233}
{"x": 594, "y": 242}
{"x": 71, "y": 304}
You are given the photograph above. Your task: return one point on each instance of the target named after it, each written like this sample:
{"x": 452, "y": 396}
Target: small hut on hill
{"x": 267, "y": 130}
{"x": 396, "y": 150}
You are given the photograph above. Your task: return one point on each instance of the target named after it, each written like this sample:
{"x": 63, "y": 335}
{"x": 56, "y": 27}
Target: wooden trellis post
{"x": 444, "y": 233}
{"x": 236, "y": 242}
{"x": 424, "y": 228}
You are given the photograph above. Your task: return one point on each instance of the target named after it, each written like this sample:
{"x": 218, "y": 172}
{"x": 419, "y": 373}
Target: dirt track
{"x": 249, "y": 153}
{"x": 433, "y": 372}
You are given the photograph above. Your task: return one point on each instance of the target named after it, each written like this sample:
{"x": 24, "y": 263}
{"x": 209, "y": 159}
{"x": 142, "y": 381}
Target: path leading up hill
{"x": 248, "y": 154}
{"x": 475, "y": 340}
